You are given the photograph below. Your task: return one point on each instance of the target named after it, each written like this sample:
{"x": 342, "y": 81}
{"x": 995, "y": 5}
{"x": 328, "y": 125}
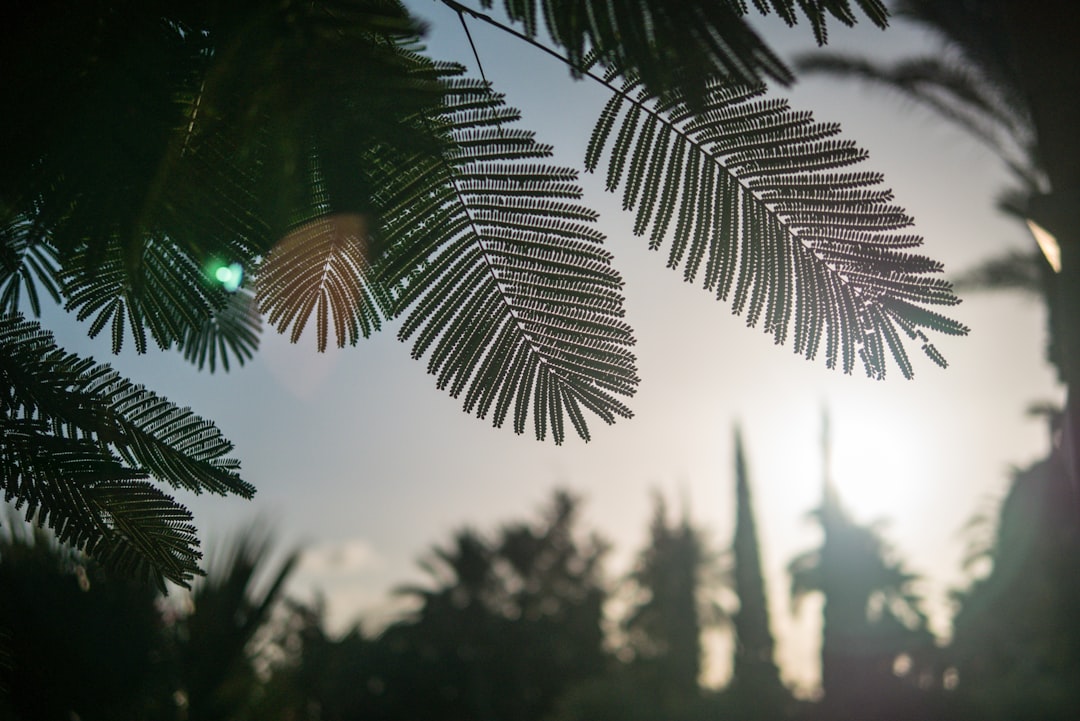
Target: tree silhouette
{"x": 321, "y": 676}
{"x": 675, "y": 573}
{"x": 755, "y": 684}
{"x": 217, "y": 677}
{"x": 179, "y": 169}
{"x": 1016, "y": 637}
{"x": 994, "y": 83}
{"x": 508, "y": 626}
{"x": 83, "y": 643}
{"x": 871, "y": 615}
{"x": 75, "y": 643}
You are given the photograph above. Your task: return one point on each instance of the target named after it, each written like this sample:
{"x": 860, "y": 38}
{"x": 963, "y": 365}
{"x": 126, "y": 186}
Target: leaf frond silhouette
{"x": 501, "y": 276}
{"x": 232, "y": 331}
{"x": 1014, "y": 270}
{"x": 79, "y": 441}
{"x": 956, "y": 91}
{"x": 95, "y": 504}
{"x": 322, "y": 268}
{"x": 676, "y": 46}
{"x": 755, "y": 203}
{"x": 164, "y": 293}
{"x": 26, "y": 264}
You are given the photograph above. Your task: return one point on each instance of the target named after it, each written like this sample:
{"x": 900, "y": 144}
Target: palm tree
{"x": 507, "y": 626}
{"x": 181, "y": 170}
{"x": 997, "y": 81}
{"x": 229, "y": 608}
{"x": 871, "y": 615}
{"x": 78, "y": 642}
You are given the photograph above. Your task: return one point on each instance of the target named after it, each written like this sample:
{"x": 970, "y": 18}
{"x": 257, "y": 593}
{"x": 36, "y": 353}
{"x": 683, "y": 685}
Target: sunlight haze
{"x": 356, "y": 455}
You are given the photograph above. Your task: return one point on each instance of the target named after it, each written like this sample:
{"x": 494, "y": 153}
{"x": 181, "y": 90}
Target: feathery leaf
{"x": 79, "y": 440}
{"x": 749, "y": 188}
{"x": 502, "y": 278}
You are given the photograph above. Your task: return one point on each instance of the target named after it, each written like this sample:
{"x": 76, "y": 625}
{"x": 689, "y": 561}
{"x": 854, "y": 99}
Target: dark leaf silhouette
{"x": 502, "y": 280}
{"x": 78, "y": 442}
{"x": 746, "y": 196}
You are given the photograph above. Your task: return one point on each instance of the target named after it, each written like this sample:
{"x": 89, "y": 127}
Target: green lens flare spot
{"x": 230, "y": 276}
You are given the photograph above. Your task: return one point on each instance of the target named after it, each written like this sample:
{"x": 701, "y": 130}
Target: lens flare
{"x": 230, "y": 276}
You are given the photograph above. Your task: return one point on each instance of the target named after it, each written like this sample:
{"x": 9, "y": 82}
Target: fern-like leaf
{"x": 95, "y": 504}
{"x": 752, "y": 207}
{"x": 25, "y": 265}
{"x": 232, "y": 331}
{"x": 164, "y": 293}
{"x": 79, "y": 441}
{"x": 323, "y": 268}
{"x": 676, "y": 46}
{"x": 502, "y": 278}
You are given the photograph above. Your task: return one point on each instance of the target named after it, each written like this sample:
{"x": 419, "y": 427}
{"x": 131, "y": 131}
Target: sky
{"x": 357, "y": 456}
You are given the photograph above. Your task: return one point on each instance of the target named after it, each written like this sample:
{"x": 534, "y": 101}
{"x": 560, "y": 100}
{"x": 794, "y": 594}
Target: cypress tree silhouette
{"x": 756, "y": 675}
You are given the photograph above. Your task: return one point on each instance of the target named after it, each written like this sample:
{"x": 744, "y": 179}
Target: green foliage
{"x": 504, "y": 282}
{"x": 506, "y": 626}
{"x": 25, "y": 266}
{"x": 974, "y": 85}
{"x": 79, "y": 443}
{"x": 229, "y": 608}
{"x": 675, "y": 575}
{"x": 81, "y": 643}
{"x": 872, "y": 614}
{"x": 75, "y": 641}
{"x": 351, "y": 180}
{"x": 1016, "y": 647}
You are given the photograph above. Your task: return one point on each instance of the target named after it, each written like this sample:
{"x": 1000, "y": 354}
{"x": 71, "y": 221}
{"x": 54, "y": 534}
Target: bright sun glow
{"x": 873, "y": 478}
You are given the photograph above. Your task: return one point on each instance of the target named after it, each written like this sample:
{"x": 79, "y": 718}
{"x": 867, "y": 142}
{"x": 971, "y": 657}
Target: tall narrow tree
{"x": 755, "y": 674}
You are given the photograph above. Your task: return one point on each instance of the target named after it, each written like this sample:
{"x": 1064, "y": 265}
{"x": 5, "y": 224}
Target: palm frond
{"x": 1015, "y": 270}
{"x": 747, "y": 195}
{"x": 500, "y": 270}
{"x": 955, "y": 91}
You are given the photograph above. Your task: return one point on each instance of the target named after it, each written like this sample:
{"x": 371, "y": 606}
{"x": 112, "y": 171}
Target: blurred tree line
{"x": 516, "y": 626}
